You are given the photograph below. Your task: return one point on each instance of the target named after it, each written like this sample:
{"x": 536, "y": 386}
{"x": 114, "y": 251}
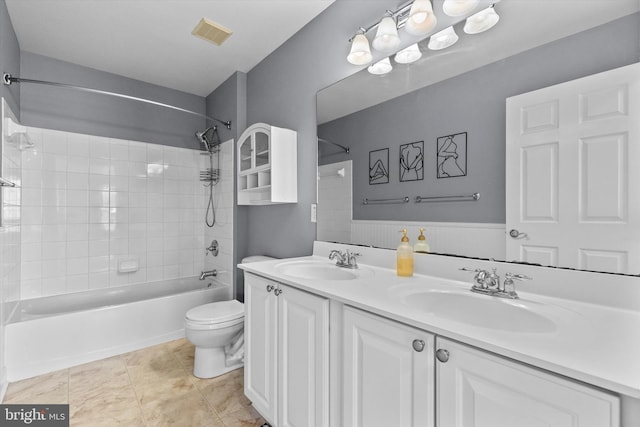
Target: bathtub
{"x": 56, "y": 332}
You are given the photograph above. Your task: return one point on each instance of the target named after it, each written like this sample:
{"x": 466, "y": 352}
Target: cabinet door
{"x": 261, "y": 148}
{"x": 477, "y": 389}
{"x": 245, "y": 152}
{"x": 303, "y": 359}
{"x": 386, "y": 382}
{"x": 260, "y": 328}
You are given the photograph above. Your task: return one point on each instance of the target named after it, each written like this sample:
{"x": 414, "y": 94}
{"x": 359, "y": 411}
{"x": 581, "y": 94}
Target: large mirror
{"x": 445, "y": 113}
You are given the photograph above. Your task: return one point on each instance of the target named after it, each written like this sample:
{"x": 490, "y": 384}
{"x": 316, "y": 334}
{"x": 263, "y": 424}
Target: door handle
{"x": 418, "y": 345}
{"x": 516, "y": 234}
{"x": 270, "y": 288}
{"x": 277, "y": 292}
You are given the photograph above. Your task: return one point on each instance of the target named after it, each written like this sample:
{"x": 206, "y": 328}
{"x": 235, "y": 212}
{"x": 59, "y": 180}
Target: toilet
{"x": 216, "y": 330}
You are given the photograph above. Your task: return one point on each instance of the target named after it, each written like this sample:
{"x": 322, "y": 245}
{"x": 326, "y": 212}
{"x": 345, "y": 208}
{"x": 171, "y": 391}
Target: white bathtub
{"x": 51, "y": 333}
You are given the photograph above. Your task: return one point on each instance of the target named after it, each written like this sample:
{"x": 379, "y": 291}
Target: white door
{"x": 303, "y": 359}
{"x": 260, "y": 329}
{"x": 477, "y": 389}
{"x": 387, "y": 372}
{"x": 573, "y": 173}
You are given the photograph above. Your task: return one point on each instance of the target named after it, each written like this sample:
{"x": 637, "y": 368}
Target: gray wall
{"x": 229, "y": 102}
{"x": 473, "y": 102}
{"x": 101, "y": 115}
{"x": 9, "y": 60}
{"x": 281, "y": 91}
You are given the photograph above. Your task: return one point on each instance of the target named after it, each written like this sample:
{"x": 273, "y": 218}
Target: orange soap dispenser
{"x": 404, "y": 260}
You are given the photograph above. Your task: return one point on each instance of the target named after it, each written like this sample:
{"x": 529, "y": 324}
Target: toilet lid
{"x": 216, "y": 312}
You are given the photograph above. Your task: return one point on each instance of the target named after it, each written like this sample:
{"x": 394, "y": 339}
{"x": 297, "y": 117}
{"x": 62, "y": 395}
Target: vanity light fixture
{"x": 387, "y": 39}
{"x": 458, "y": 7}
{"x": 421, "y": 18}
{"x": 443, "y": 39}
{"x": 381, "y": 67}
{"x": 481, "y": 21}
{"x": 408, "y": 54}
{"x": 418, "y": 19}
{"x": 360, "y": 53}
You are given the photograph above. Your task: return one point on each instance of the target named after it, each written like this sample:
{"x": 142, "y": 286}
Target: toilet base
{"x": 210, "y": 363}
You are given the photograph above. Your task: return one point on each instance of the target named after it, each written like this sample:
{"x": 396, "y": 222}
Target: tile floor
{"x": 154, "y": 386}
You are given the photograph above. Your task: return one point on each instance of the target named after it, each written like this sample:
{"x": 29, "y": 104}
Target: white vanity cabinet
{"x": 478, "y": 389}
{"x": 267, "y": 165}
{"x": 387, "y": 372}
{"x": 286, "y": 372}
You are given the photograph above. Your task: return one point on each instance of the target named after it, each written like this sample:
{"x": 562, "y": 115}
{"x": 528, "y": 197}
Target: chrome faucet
{"x": 346, "y": 259}
{"x": 209, "y": 273}
{"x": 489, "y": 283}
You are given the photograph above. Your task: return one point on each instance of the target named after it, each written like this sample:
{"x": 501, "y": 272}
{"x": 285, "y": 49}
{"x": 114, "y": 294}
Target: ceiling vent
{"x": 211, "y": 31}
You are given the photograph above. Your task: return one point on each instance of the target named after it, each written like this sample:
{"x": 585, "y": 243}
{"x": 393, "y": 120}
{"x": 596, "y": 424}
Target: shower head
{"x": 205, "y": 143}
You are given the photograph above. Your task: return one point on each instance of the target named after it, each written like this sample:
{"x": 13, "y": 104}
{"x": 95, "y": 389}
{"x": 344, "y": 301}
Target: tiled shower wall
{"x": 91, "y": 204}
{"x": 9, "y": 233}
{"x": 222, "y": 230}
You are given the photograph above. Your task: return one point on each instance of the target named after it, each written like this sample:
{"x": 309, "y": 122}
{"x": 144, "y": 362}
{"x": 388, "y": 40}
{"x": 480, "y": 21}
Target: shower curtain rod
{"x": 326, "y": 141}
{"x": 8, "y": 79}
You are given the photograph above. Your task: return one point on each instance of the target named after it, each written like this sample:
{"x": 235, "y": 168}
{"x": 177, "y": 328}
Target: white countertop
{"x": 593, "y": 343}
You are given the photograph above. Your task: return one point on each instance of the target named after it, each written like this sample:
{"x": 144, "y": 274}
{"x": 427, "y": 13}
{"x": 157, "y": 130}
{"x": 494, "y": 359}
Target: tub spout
{"x": 210, "y": 273}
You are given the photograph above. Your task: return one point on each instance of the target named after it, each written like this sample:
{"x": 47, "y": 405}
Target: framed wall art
{"x": 379, "y": 166}
{"x": 452, "y": 155}
{"x": 412, "y": 161}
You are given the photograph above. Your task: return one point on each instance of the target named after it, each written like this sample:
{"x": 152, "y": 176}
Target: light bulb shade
{"x": 381, "y": 67}
{"x": 421, "y": 18}
{"x": 443, "y": 39}
{"x": 408, "y": 55}
{"x": 481, "y": 21}
{"x": 360, "y": 53}
{"x": 386, "y": 39}
{"x": 458, "y": 7}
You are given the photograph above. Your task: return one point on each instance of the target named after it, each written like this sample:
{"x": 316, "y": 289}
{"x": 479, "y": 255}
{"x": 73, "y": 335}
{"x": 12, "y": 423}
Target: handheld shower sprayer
{"x": 204, "y": 140}
{"x": 210, "y": 176}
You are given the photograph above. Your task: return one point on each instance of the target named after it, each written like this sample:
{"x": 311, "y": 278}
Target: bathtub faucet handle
{"x": 213, "y": 248}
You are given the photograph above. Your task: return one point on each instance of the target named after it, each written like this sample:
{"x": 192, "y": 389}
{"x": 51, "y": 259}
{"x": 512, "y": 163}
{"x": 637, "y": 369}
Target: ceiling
{"x": 150, "y": 40}
{"x": 523, "y": 25}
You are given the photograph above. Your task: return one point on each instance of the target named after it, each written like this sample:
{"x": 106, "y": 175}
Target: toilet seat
{"x": 216, "y": 315}
{"x": 209, "y": 326}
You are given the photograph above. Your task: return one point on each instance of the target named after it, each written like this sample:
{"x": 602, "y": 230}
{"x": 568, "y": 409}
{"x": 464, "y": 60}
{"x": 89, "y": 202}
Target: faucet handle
{"x": 517, "y": 276}
{"x": 509, "y": 284}
{"x": 351, "y": 259}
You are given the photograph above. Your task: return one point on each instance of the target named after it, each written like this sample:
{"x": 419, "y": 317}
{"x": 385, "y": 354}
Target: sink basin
{"x": 316, "y": 270}
{"x": 482, "y": 311}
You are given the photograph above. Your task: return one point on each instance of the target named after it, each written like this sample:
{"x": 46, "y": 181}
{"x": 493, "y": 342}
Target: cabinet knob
{"x": 270, "y": 288}
{"x": 277, "y": 291}
{"x": 418, "y": 345}
{"x": 442, "y": 355}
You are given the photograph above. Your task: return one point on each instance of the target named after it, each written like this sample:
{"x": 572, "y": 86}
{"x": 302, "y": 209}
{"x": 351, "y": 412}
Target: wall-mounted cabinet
{"x": 267, "y": 165}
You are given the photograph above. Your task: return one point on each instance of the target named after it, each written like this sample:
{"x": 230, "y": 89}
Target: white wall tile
{"x": 89, "y": 201}
{"x": 77, "y": 249}
{"x": 54, "y": 197}
{"x": 78, "y": 283}
{"x": 98, "y": 148}
{"x": 77, "y": 266}
{"x": 54, "y": 250}
{"x": 54, "y": 162}
{"x": 99, "y": 166}
{"x": 119, "y": 150}
{"x": 99, "y": 280}
{"x": 99, "y": 182}
{"x": 78, "y": 145}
